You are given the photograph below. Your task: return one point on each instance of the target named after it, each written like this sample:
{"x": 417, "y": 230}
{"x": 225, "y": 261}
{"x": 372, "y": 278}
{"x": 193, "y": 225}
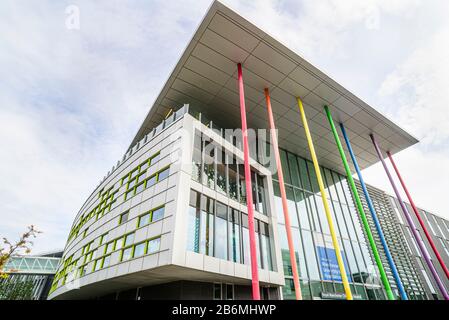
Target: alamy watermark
{"x": 72, "y": 20}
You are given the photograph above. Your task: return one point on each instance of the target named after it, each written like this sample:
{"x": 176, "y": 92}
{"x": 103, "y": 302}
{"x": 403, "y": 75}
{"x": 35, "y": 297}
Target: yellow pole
{"x": 325, "y": 203}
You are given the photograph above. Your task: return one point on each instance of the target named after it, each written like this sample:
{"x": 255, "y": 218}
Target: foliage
{"x": 16, "y": 289}
{"x": 22, "y": 246}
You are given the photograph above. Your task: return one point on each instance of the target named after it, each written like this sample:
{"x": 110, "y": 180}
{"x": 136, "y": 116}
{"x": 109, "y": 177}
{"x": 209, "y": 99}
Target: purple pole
{"x": 422, "y": 248}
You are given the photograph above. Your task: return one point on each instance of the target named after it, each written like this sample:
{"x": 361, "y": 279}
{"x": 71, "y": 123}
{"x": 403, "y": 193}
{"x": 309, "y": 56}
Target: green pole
{"x": 360, "y": 207}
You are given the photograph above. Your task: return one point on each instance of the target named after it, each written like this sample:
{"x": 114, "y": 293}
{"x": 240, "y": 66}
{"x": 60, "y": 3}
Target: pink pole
{"x": 421, "y": 222}
{"x": 249, "y": 193}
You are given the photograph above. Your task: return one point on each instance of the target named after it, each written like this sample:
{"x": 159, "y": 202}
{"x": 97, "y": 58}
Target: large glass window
{"x": 278, "y": 203}
{"x": 209, "y": 164}
{"x": 245, "y": 239}
{"x": 265, "y": 247}
{"x": 221, "y": 232}
{"x": 302, "y": 209}
{"x": 139, "y": 249}
{"x": 197, "y": 155}
{"x": 291, "y": 206}
{"x": 207, "y": 226}
{"x": 217, "y": 230}
{"x": 309, "y": 248}
{"x": 221, "y": 174}
{"x": 154, "y": 245}
{"x": 157, "y": 214}
{"x": 233, "y": 178}
{"x": 242, "y": 186}
{"x": 193, "y": 217}
{"x": 234, "y": 235}
{"x": 261, "y": 205}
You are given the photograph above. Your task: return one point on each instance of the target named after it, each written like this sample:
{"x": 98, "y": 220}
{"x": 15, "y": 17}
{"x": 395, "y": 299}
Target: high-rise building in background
{"x": 170, "y": 220}
{"x": 439, "y": 231}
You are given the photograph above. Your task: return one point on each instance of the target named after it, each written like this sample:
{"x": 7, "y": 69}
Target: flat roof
{"x": 206, "y": 78}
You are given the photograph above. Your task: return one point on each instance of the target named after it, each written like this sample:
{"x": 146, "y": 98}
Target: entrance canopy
{"x": 206, "y": 78}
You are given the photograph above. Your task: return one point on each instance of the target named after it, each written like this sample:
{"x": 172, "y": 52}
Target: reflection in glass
{"x": 196, "y": 159}
{"x": 221, "y": 175}
{"x": 221, "y": 232}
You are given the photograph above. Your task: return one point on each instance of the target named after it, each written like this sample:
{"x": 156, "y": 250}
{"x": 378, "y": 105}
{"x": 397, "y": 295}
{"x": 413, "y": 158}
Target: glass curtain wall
{"x": 223, "y": 172}
{"x": 221, "y": 231}
{"x": 315, "y": 254}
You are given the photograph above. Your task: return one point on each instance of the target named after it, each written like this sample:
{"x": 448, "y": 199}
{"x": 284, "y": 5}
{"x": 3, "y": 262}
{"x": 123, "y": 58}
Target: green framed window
{"x": 142, "y": 176}
{"x": 144, "y": 166}
{"x": 118, "y": 244}
{"x": 129, "y": 194}
{"x": 144, "y": 220}
{"x": 155, "y": 158}
{"x": 163, "y": 174}
{"x": 106, "y": 261}
{"x": 140, "y": 187}
{"x": 123, "y": 217}
{"x": 85, "y": 232}
{"x": 133, "y": 173}
{"x": 109, "y": 247}
{"x": 129, "y": 238}
{"x": 97, "y": 264}
{"x": 131, "y": 184}
{"x": 103, "y": 238}
{"x": 154, "y": 245}
{"x": 151, "y": 181}
{"x": 126, "y": 254}
{"x": 140, "y": 249}
{"x": 158, "y": 214}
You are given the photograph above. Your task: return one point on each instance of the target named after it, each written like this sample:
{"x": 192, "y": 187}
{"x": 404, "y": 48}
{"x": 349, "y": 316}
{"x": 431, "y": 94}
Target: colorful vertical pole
{"x": 417, "y": 237}
{"x": 362, "y": 214}
{"x": 249, "y": 194}
{"x": 393, "y": 268}
{"x": 340, "y": 262}
{"x": 288, "y": 229}
{"x": 418, "y": 216}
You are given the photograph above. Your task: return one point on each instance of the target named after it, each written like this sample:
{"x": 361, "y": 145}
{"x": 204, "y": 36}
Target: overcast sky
{"x": 72, "y": 99}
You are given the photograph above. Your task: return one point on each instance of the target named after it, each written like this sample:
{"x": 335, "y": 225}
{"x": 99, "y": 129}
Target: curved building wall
{"x": 130, "y": 211}
{"x": 132, "y": 230}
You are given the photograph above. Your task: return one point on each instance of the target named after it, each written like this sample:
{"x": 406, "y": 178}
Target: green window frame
{"x": 102, "y": 237}
{"x": 144, "y": 245}
{"x": 142, "y": 219}
{"x": 118, "y": 241}
{"x": 106, "y": 259}
{"x": 109, "y": 247}
{"x": 128, "y": 237}
{"x": 160, "y": 213}
{"x": 126, "y": 253}
{"x": 156, "y": 241}
{"x": 163, "y": 171}
{"x": 154, "y": 158}
{"x": 122, "y": 217}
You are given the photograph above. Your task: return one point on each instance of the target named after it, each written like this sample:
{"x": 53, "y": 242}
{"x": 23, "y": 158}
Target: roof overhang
{"x": 206, "y": 77}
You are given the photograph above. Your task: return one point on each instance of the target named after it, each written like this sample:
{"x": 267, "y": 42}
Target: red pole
{"x": 421, "y": 222}
{"x": 288, "y": 229}
{"x": 249, "y": 193}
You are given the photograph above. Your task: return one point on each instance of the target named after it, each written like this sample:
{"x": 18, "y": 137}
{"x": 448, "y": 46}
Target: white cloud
{"x": 71, "y": 100}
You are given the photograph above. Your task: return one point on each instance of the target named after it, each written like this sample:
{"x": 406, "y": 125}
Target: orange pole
{"x": 288, "y": 229}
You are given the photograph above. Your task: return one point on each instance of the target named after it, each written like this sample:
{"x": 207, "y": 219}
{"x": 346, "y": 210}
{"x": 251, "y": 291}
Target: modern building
{"x": 439, "y": 232}
{"x": 170, "y": 220}
{"x": 403, "y": 256}
{"x": 29, "y": 277}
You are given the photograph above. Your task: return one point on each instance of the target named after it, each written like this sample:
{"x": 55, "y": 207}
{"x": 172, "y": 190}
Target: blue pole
{"x": 376, "y": 220}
